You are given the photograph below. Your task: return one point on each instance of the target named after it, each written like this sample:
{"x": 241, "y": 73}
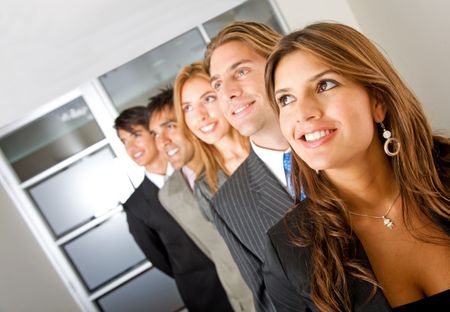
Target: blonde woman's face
{"x": 202, "y": 112}
{"x": 328, "y": 119}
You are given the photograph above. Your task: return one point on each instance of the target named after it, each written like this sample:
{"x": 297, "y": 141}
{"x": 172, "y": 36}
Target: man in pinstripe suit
{"x": 255, "y": 197}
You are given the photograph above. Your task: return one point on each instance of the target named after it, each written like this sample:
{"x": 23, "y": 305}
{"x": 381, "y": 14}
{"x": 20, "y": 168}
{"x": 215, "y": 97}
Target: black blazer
{"x": 171, "y": 250}
{"x": 244, "y": 208}
{"x": 286, "y": 274}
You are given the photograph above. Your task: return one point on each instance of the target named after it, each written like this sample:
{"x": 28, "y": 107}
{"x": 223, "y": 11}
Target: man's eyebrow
{"x": 165, "y": 123}
{"x": 231, "y": 68}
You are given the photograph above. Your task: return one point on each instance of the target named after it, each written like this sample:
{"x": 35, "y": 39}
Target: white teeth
{"x": 208, "y": 127}
{"x": 172, "y": 152}
{"x": 137, "y": 155}
{"x": 240, "y": 109}
{"x": 316, "y": 135}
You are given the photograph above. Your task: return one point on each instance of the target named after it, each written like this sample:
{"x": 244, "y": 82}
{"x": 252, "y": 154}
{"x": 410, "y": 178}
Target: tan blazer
{"x": 178, "y": 199}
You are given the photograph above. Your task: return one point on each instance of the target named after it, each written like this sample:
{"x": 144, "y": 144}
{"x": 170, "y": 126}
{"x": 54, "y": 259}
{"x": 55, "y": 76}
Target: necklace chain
{"x": 387, "y": 222}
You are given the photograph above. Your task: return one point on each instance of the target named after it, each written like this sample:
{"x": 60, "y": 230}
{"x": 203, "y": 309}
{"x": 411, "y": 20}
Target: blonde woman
{"x": 221, "y": 150}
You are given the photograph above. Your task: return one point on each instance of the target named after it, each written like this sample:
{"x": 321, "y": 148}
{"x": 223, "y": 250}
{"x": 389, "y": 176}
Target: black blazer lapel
{"x": 250, "y": 202}
{"x": 273, "y": 198}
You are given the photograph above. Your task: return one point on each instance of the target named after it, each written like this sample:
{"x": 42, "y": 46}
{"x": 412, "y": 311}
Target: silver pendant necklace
{"x": 387, "y": 221}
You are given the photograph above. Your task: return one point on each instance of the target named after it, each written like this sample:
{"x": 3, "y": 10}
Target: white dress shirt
{"x": 273, "y": 160}
{"x": 159, "y": 179}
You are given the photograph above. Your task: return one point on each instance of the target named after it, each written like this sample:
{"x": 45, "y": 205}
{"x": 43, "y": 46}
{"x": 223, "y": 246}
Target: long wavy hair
{"x": 211, "y": 158}
{"x": 421, "y": 169}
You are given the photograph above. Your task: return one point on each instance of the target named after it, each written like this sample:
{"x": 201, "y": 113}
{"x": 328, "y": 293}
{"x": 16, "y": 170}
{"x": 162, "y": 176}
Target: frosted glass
{"x": 134, "y": 82}
{"x": 104, "y": 252}
{"x": 86, "y": 189}
{"x": 152, "y": 291}
{"x": 51, "y": 139}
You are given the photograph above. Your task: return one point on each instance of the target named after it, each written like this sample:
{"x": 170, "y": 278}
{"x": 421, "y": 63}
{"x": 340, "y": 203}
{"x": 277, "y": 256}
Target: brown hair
{"x": 210, "y": 157}
{"x": 260, "y": 37}
{"x": 423, "y": 180}
{"x": 133, "y": 116}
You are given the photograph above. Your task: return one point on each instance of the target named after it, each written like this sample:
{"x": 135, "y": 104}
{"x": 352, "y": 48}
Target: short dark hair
{"x": 133, "y": 116}
{"x": 161, "y": 101}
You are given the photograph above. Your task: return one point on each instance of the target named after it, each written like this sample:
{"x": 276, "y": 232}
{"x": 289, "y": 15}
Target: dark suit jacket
{"x": 244, "y": 208}
{"x": 171, "y": 250}
{"x": 286, "y": 274}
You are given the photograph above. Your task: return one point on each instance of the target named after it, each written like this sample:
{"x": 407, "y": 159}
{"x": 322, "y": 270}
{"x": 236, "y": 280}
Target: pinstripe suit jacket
{"x": 250, "y": 202}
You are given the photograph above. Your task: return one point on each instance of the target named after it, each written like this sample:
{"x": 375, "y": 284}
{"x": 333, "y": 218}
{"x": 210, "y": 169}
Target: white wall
{"x": 299, "y": 13}
{"x": 49, "y": 47}
{"x": 415, "y": 36}
{"x": 28, "y": 282}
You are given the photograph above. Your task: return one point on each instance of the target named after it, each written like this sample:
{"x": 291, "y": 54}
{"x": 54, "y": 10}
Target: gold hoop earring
{"x": 390, "y": 141}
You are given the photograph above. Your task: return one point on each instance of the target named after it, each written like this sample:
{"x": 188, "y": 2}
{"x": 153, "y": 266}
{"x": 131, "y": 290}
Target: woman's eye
{"x": 187, "y": 108}
{"x": 326, "y": 85}
{"x": 285, "y": 100}
{"x": 210, "y": 98}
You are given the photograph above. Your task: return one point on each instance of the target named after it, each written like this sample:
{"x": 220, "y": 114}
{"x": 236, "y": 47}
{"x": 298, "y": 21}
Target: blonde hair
{"x": 421, "y": 168}
{"x": 210, "y": 157}
{"x": 260, "y": 37}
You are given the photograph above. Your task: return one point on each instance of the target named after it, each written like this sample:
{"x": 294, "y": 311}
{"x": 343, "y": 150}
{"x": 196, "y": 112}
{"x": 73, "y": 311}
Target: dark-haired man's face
{"x": 237, "y": 75}
{"x": 139, "y": 144}
{"x": 169, "y": 138}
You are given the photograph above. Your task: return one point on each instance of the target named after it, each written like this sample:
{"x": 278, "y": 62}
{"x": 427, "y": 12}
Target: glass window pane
{"x": 151, "y": 291}
{"x": 104, "y": 252}
{"x": 51, "y": 139}
{"x": 86, "y": 189}
{"x": 251, "y": 10}
{"x": 133, "y": 83}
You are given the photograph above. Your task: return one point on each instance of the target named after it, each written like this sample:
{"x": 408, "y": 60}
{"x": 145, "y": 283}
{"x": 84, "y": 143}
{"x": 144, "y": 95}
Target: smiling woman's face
{"x": 328, "y": 119}
{"x": 202, "y": 112}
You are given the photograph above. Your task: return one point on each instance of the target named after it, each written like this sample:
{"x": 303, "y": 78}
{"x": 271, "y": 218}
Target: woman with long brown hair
{"x": 373, "y": 233}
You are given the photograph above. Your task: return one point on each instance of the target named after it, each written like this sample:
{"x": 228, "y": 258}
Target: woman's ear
{"x": 378, "y": 107}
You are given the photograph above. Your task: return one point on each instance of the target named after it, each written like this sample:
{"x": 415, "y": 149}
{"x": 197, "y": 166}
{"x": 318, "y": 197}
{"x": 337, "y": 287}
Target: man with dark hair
{"x": 159, "y": 236}
{"x": 179, "y": 151}
{"x": 132, "y": 129}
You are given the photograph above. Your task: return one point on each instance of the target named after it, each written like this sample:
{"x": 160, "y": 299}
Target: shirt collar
{"x": 273, "y": 160}
{"x": 159, "y": 179}
{"x": 189, "y": 175}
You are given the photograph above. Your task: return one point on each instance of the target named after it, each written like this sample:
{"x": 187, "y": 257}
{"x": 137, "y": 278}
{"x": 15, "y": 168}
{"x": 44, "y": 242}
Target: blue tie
{"x": 287, "y": 171}
{"x": 287, "y": 162}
